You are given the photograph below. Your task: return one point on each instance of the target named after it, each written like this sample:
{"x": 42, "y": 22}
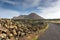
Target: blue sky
{"x": 48, "y": 9}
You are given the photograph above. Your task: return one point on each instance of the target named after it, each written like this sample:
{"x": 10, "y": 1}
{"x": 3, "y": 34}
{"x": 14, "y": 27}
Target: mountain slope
{"x": 30, "y": 16}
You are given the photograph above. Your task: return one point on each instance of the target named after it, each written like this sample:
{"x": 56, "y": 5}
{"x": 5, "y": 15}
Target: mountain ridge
{"x": 30, "y": 16}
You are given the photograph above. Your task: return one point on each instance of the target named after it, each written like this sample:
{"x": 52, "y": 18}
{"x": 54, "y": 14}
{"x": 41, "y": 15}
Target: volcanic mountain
{"x": 30, "y": 16}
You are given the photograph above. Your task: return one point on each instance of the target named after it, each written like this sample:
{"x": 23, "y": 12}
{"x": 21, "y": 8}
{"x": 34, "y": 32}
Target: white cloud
{"x": 25, "y": 4}
{"x": 35, "y": 3}
{"x": 10, "y": 2}
{"x": 51, "y": 12}
{"x": 5, "y": 13}
{"x": 30, "y": 3}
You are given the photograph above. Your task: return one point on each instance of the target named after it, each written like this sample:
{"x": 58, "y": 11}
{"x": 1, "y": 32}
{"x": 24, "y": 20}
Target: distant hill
{"x": 30, "y": 16}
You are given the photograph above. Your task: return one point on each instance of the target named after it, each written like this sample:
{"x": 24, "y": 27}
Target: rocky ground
{"x": 19, "y": 30}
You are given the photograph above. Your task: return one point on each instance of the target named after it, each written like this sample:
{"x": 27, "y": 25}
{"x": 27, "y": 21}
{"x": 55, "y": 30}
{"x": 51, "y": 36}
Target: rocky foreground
{"x": 19, "y": 30}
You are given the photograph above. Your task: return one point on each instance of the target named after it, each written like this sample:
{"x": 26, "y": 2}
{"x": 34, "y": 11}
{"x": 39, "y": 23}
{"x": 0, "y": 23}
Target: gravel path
{"x": 52, "y": 33}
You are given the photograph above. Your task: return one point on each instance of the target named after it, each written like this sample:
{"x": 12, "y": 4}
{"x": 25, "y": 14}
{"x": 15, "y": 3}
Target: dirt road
{"x": 52, "y": 33}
